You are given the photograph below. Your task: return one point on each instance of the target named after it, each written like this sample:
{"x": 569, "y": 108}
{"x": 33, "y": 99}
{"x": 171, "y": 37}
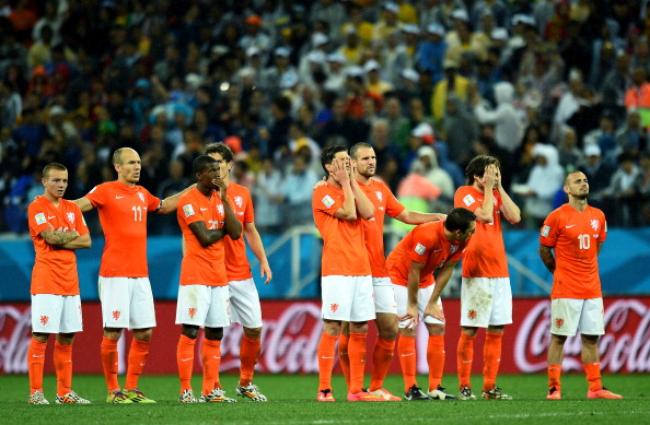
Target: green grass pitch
{"x": 292, "y": 401}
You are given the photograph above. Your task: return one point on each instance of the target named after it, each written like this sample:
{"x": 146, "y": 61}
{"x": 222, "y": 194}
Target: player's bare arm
{"x": 83, "y": 241}
{"x": 485, "y": 212}
{"x": 232, "y": 225}
{"x": 341, "y": 176}
{"x": 84, "y": 204}
{"x": 546, "y": 254}
{"x": 58, "y": 238}
{"x": 413, "y": 284}
{"x": 364, "y": 206}
{"x": 414, "y": 217}
{"x": 205, "y": 236}
{"x": 255, "y": 243}
{"x": 509, "y": 209}
{"x": 442, "y": 279}
{"x": 169, "y": 204}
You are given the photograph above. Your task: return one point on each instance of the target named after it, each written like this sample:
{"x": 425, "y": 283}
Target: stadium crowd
{"x": 545, "y": 86}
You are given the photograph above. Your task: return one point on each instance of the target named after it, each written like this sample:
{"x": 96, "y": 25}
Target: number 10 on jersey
{"x": 584, "y": 241}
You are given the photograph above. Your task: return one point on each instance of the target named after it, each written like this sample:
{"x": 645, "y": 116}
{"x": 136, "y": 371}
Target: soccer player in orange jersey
{"x": 364, "y": 162}
{"x": 570, "y": 241}
{"x": 244, "y": 299}
{"x": 205, "y": 218}
{"x": 124, "y": 288}
{"x": 427, "y": 249}
{"x": 57, "y": 229}
{"x": 485, "y": 298}
{"x": 339, "y": 205}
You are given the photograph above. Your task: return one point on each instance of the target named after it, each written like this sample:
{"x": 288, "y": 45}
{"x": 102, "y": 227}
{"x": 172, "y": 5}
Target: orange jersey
{"x": 344, "y": 252}
{"x": 385, "y": 203}
{"x": 237, "y": 264}
{"x": 123, "y": 215}
{"x": 485, "y": 255}
{"x": 55, "y": 269}
{"x": 425, "y": 244}
{"x": 575, "y": 236}
{"x": 202, "y": 265}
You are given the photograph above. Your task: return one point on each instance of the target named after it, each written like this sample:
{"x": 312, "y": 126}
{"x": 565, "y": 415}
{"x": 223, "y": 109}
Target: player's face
{"x": 366, "y": 162}
{"x": 224, "y": 166}
{"x": 577, "y": 186}
{"x": 55, "y": 183}
{"x": 344, "y": 157}
{"x": 209, "y": 176}
{"x": 467, "y": 234}
{"x": 129, "y": 167}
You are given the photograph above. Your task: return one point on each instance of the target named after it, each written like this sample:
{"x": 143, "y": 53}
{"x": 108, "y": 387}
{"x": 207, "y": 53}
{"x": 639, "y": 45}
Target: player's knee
{"x": 388, "y": 333}
{"x": 358, "y": 327}
{"x": 407, "y": 331}
{"x": 191, "y": 332}
{"x": 253, "y": 333}
{"x": 436, "y": 329}
{"x": 65, "y": 339}
{"x": 142, "y": 334}
{"x": 469, "y": 331}
{"x": 214, "y": 334}
{"x": 112, "y": 333}
{"x": 332, "y": 327}
{"x": 558, "y": 339}
{"x": 495, "y": 329}
{"x": 40, "y": 337}
{"x": 589, "y": 339}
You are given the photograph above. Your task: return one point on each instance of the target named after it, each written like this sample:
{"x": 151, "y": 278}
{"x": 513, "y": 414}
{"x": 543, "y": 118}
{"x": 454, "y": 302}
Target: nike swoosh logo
{"x": 327, "y": 357}
{"x": 568, "y": 226}
{"x": 51, "y": 217}
{"x": 203, "y": 209}
{"x": 407, "y": 355}
{"x": 36, "y": 356}
{"x": 186, "y": 359}
{"x": 119, "y": 196}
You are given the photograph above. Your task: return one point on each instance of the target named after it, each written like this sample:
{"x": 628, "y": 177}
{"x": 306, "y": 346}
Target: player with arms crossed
{"x": 364, "y": 162}
{"x": 575, "y": 232}
{"x": 205, "y": 218}
{"x": 124, "y": 287}
{"x": 244, "y": 299}
{"x": 427, "y": 249}
{"x": 57, "y": 229}
{"x": 485, "y": 297}
{"x": 346, "y": 282}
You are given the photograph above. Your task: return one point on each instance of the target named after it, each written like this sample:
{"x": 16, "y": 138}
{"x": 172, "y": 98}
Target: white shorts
{"x": 127, "y": 303}
{"x": 424, "y": 295}
{"x": 384, "y": 295}
{"x": 53, "y": 314}
{"x": 245, "y": 303}
{"x": 485, "y": 302}
{"x": 347, "y": 298}
{"x": 569, "y": 315}
{"x": 204, "y": 306}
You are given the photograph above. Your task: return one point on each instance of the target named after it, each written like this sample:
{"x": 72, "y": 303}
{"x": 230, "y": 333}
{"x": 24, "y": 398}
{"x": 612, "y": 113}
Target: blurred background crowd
{"x": 547, "y": 86}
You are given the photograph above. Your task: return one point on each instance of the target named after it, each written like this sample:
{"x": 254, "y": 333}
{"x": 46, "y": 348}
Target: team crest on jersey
{"x": 420, "y": 249}
{"x": 116, "y": 314}
{"x": 70, "y": 216}
{"x": 44, "y": 320}
{"x": 239, "y": 201}
{"x": 334, "y": 307}
{"x": 379, "y": 195}
{"x": 188, "y": 210}
{"x": 468, "y": 200}
{"x": 141, "y": 196}
{"x": 546, "y": 230}
{"x": 559, "y": 323}
{"x": 40, "y": 218}
{"x": 220, "y": 209}
{"x": 595, "y": 224}
{"x": 453, "y": 249}
{"x": 472, "y": 314}
{"x": 192, "y": 312}
{"x": 328, "y": 201}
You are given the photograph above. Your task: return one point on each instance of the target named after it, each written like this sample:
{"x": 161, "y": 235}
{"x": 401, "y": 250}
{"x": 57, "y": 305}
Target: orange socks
{"x": 491, "y": 359}
{"x": 248, "y": 352}
{"x": 344, "y": 359}
{"x": 326, "y": 349}
{"x": 554, "y": 372}
{"x": 464, "y": 358}
{"x": 109, "y": 363}
{"x": 185, "y": 361}
{"x": 138, "y": 354}
{"x": 36, "y": 363}
{"x": 592, "y": 370}
{"x": 407, "y": 360}
{"x": 63, "y": 367}
{"x": 357, "y": 354}
{"x": 381, "y": 358}
{"x": 211, "y": 355}
{"x": 436, "y": 360}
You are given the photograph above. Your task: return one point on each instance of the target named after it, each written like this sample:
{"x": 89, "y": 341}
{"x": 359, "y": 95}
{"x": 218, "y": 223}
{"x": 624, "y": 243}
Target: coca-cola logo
{"x": 15, "y": 334}
{"x": 625, "y": 345}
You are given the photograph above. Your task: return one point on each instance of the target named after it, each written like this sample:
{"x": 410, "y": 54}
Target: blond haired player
{"x": 124, "y": 288}
{"x": 57, "y": 229}
{"x": 570, "y": 241}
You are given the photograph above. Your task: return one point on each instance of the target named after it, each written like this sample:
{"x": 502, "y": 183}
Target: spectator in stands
{"x": 623, "y": 189}
{"x": 546, "y": 178}
{"x": 296, "y": 189}
{"x": 508, "y": 123}
{"x": 599, "y": 175}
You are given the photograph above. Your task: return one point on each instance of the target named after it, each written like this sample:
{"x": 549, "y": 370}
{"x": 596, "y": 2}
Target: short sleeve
{"x": 249, "y": 212}
{"x": 393, "y": 206}
{"x": 456, "y": 255}
{"x": 603, "y": 228}
{"x": 464, "y": 199}
{"x": 420, "y": 246}
{"x": 153, "y": 202}
{"x": 97, "y": 195}
{"x": 36, "y": 218}
{"x": 325, "y": 200}
{"x": 549, "y": 232}
{"x": 79, "y": 223}
{"x": 188, "y": 211}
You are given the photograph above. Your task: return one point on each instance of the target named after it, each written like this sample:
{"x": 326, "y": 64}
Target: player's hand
{"x": 340, "y": 173}
{"x": 411, "y": 316}
{"x": 266, "y": 273}
{"x": 490, "y": 177}
{"x": 221, "y": 184}
{"x": 435, "y": 311}
{"x": 498, "y": 178}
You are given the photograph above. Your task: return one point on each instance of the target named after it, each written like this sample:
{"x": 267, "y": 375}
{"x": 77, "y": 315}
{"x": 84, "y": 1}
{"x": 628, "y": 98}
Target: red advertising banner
{"x": 292, "y": 330}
